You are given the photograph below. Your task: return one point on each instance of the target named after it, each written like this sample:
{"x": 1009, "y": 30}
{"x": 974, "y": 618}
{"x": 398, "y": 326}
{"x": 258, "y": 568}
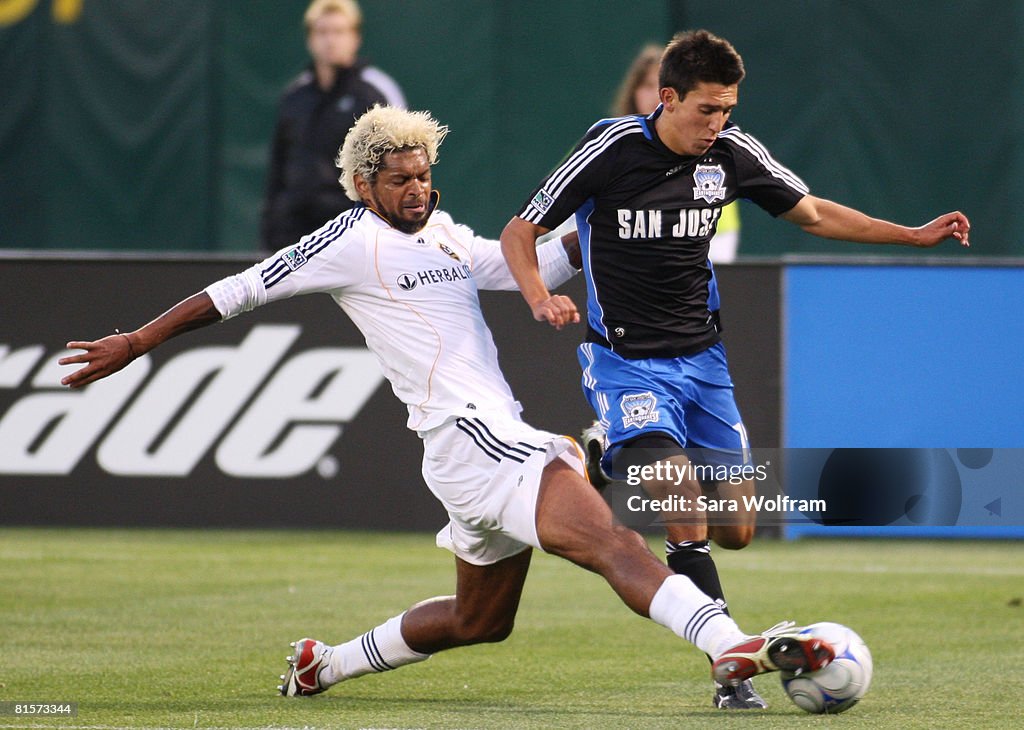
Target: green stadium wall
{"x": 144, "y": 125}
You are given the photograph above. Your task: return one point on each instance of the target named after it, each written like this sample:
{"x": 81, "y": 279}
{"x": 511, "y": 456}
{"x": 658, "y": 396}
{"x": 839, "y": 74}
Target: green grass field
{"x": 183, "y": 629}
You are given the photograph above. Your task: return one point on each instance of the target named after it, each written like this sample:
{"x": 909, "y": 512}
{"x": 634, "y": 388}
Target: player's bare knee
{"x": 740, "y": 532}
{"x": 686, "y": 490}
{"x": 660, "y": 464}
{"x": 625, "y": 541}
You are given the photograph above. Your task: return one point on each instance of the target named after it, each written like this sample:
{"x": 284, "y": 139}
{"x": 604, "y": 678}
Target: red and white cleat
{"x": 304, "y": 667}
{"x": 783, "y": 647}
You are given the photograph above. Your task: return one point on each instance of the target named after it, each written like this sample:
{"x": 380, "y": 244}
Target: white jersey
{"x": 414, "y": 298}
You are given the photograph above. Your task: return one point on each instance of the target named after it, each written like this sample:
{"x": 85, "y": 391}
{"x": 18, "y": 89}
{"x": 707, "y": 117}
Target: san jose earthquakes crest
{"x": 639, "y": 409}
{"x": 710, "y": 183}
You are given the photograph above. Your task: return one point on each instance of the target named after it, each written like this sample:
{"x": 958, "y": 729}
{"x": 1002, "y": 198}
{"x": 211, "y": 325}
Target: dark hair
{"x": 698, "y": 55}
{"x": 625, "y": 99}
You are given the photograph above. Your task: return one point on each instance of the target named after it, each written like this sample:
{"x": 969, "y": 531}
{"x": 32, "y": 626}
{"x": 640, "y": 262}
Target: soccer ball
{"x": 841, "y": 684}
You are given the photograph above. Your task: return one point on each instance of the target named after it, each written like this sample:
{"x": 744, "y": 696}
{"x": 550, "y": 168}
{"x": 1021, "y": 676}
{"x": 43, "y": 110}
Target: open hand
{"x": 101, "y": 357}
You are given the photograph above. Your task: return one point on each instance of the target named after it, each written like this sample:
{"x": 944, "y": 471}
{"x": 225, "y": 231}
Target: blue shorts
{"x": 688, "y": 398}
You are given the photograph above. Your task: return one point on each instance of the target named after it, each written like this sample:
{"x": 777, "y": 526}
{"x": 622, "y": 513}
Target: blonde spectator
{"x": 316, "y": 111}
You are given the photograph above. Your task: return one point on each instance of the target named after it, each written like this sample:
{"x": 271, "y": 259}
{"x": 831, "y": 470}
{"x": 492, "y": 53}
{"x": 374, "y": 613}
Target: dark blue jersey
{"x": 645, "y": 217}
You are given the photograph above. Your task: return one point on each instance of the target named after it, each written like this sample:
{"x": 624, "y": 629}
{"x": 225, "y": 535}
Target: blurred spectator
{"x": 315, "y": 113}
{"x": 638, "y": 94}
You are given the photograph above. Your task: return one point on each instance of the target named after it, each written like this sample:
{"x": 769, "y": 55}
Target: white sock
{"x": 691, "y": 614}
{"x": 378, "y": 650}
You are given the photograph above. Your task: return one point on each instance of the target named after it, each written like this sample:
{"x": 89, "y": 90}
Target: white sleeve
{"x": 238, "y": 293}
{"x": 326, "y": 260}
{"x": 566, "y": 226}
{"x": 554, "y": 264}
{"x": 491, "y": 270}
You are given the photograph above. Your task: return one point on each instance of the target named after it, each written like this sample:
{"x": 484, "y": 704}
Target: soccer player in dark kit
{"x": 647, "y": 192}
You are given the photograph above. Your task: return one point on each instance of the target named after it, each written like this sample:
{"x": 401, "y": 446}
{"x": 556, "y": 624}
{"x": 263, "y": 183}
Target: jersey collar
{"x": 647, "y": 123}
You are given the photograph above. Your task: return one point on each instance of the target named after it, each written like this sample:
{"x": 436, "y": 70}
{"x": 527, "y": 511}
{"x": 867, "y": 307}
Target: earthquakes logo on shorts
{"x": 710, "y": 181}
{"x": 293, "y": 258}
{"x": 407, "y": 282}
{"x": 639, "y": 409}
{"x": 542, "y": 201}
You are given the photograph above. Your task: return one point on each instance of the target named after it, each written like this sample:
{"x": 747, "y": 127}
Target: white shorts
{"x": 486, "y": 470}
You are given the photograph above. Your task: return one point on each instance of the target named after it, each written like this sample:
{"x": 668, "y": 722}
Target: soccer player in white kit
{"x": 408, "y": 277}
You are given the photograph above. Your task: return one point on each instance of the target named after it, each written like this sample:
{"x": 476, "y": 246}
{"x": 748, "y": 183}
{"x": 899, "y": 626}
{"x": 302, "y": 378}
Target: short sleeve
{"x": 760, "y": 177}
{"x": 581, "y": 175}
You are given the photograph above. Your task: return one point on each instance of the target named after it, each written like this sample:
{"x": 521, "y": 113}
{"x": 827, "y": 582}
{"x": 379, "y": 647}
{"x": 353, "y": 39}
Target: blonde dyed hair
{"x": 319, "y": 8}
{"x": 381, "y": 130}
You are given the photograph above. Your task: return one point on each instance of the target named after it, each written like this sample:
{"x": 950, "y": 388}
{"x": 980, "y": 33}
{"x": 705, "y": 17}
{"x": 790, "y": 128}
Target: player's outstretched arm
{"x": 519, "y": 246}
{"x": 828, "y": 219}
{"x": 106, "y": 356}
